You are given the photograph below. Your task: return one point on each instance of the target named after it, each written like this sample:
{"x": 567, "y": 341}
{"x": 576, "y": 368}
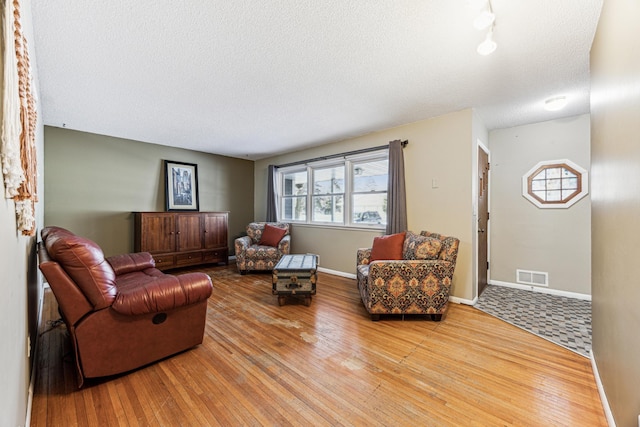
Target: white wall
{"x": 19, "y": 285}
{"x": 523, "y": 236}
{"x": 615, "y": 176}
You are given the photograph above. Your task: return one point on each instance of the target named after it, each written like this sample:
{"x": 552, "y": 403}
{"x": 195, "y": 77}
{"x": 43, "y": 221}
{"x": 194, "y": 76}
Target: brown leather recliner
{"x": 121, "y": 312}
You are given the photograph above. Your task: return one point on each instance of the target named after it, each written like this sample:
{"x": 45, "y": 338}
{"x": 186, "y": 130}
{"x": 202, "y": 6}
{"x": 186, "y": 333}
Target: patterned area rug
{"x": 561, "y": 320}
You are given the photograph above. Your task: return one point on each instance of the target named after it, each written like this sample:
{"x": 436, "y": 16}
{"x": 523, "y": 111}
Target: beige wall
{"x": 615, "y": 195}
{"x": 19, "y": 284}
{"x": 523, "y": 236}
{"x": 439, "y": 148}
{"x": 94, "y": 182}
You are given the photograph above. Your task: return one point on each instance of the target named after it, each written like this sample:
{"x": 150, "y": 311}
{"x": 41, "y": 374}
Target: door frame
{"x": 481, "y": 146}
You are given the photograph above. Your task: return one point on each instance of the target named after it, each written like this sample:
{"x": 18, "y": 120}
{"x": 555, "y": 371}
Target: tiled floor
{"x": 564, "y": 321}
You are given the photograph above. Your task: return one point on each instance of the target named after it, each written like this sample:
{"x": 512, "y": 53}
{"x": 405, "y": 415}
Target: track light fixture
{"x": 485, "y": 20}
{"x": 477, "y": 4}
{"x": 488, "y": 45}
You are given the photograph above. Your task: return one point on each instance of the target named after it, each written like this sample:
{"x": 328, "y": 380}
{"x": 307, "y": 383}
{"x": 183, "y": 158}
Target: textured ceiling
{"x": 254, "y": 78}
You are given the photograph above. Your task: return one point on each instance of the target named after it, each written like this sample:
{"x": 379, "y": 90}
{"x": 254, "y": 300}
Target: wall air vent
{"x": 536, "y": 278}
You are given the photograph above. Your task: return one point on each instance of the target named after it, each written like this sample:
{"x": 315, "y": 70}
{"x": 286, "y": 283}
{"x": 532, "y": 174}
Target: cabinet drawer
{"x": 216, "y": 255}
{"x": 164, "y": 261}
{"x": 188, "y": 258}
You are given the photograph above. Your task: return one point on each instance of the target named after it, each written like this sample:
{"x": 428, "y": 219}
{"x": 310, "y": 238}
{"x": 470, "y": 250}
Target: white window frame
{"x": 581, "y": 192}
{"x": 348, "y": 162}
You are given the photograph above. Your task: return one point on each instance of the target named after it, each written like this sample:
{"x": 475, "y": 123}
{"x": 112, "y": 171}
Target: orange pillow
{"x": 271, "y": 235}
{"x": 387, "y": 247}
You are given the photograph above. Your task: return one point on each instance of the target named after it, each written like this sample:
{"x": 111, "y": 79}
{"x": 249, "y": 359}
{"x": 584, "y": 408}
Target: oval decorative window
{"x": 555, "y": 184}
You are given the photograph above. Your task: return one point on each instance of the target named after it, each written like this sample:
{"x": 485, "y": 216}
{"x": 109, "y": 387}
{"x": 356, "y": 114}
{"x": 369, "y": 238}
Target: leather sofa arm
{"x": 164, "y": 293}
{"x": 127, "y": 263}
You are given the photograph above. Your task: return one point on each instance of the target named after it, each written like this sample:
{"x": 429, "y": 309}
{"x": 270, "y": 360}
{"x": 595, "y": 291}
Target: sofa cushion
{"x": 255, "y": 229}
{"x": 271, "y": 235}
{"x": 450, "y": 245}
{"x": 84, "y": 262}
{"x": 387, "y": 247}
{"x": 420, "y": 247}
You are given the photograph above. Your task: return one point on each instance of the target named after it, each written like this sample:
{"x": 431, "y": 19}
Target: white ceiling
{"x": 254, "y": 78}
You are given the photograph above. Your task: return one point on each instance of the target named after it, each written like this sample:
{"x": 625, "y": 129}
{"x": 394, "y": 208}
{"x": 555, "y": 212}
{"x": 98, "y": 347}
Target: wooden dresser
{"x": 181, "y": 239}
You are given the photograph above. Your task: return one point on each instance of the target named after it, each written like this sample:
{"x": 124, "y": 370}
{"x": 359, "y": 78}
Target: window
{"x": 369, "y": 195}
{"x": 294, "y": 196}
{"x": 328, "y": 194}
{"x": 555, "y": 184}
{"x": 346, "y": 192}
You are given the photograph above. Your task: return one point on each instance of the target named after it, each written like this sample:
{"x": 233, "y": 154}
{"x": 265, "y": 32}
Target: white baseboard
{"x": 463, "y": 300}
{"x": 337, "y": 273}
{"x": 34, "y": 355}
{"x": 603, "y": 396}
{"x": 556, "y": 292}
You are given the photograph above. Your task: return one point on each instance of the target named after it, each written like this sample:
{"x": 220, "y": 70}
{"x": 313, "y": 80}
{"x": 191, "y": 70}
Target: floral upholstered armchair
{"x": 263, "y": 246}
{"x": 413, "y": 277}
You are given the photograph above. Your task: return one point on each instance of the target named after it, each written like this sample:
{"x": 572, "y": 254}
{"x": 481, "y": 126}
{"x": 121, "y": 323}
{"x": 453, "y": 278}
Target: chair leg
{"x": 375, "y": 317}
{"x": 243, "y": 272}
{"x": 436, "y": 317}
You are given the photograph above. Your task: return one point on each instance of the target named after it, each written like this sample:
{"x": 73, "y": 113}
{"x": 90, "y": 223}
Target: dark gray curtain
{"x": 396, "y": 192}
{"x": 272, "y": 211}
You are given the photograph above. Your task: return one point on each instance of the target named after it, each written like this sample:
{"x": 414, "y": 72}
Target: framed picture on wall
{"x": 181, "y": 189}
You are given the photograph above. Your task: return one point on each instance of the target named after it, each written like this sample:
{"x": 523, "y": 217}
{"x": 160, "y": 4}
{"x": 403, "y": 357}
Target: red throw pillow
{"x": 271, "y": 235}
{"x": 387, "y": 247}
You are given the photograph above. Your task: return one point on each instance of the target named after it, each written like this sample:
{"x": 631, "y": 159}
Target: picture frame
{"x": 181, "y": 186}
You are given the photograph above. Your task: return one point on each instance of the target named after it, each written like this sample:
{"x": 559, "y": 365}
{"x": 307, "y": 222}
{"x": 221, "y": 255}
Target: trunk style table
{"x": 295, "y": 275}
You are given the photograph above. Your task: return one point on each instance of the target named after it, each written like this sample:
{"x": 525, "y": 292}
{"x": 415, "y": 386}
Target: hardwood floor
{"x": 326, "y": 365}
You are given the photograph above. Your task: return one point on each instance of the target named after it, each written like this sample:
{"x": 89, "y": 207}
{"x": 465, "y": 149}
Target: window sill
{"x": 377, "y": 228}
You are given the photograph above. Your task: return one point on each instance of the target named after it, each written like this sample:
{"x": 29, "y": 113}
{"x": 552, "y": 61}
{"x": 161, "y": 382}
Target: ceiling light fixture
{"x": 556, "y": 103}
{"x": 477, "y": 4}
{"x": 485, "y": 19}
{"x": 488, "y": 46}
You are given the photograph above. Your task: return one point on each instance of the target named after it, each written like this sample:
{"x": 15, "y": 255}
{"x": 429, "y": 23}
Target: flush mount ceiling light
{"x": 556, "y": 103}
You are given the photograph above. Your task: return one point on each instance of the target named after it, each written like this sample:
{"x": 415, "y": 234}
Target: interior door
{"x": 483, "y": 219}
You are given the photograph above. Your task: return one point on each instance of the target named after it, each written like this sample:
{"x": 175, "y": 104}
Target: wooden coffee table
{"x": 295, "y": 275}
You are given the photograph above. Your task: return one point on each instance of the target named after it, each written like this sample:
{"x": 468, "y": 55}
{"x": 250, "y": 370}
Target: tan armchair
{"x": 121, "y": 312}
{"x": 419, "y": 283}
{"x": 260, "y": 250}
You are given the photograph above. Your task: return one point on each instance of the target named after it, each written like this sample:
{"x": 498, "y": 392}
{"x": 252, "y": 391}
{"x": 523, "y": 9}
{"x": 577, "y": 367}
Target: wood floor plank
{"x": 326, "y": 364}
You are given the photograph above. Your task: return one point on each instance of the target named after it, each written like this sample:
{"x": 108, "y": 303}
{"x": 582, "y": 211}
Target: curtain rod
{"x": 335, "y": 156}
